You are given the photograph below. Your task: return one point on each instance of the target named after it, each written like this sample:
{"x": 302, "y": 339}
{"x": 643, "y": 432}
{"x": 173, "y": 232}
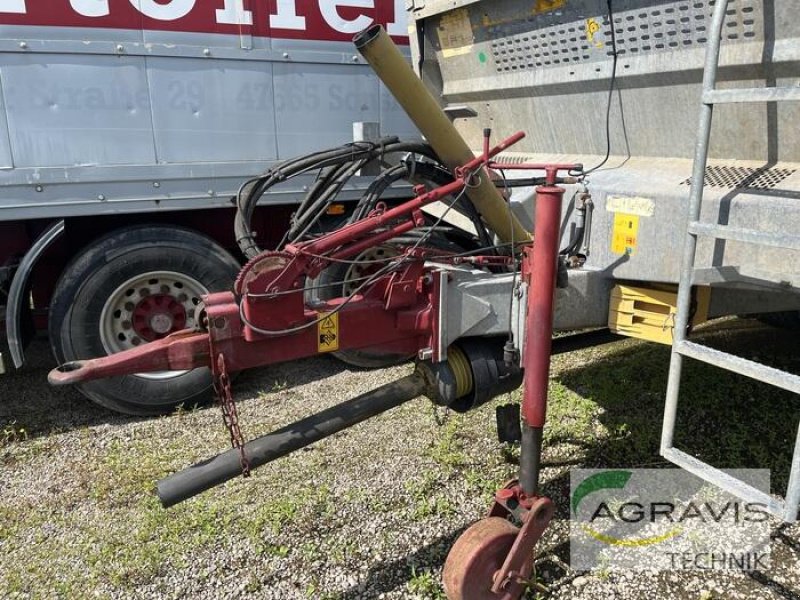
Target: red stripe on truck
{"x": 324, "y": 20}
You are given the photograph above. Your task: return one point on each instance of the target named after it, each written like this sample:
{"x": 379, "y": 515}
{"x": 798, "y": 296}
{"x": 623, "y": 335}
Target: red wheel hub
{"x": 157, "y": 316}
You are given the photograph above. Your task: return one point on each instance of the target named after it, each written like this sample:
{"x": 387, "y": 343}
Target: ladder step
{"x": 751, "y": 236}
{"x": 721, "y": 479}
{"x": 769, "y": 94}
{"x": 737, "y": 364}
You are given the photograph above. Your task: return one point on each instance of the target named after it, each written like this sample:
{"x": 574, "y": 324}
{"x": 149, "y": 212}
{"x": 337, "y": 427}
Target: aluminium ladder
{"x": 689, "y": 274}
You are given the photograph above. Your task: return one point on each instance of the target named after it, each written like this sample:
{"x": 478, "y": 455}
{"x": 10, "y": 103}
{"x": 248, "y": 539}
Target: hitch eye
{"x": 69, "y": 367}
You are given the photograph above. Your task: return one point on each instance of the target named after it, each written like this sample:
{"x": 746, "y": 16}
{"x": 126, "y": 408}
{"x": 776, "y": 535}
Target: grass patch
{"x": 424, "y": 584}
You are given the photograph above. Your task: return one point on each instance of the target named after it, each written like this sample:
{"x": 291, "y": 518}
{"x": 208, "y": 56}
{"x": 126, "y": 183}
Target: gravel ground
{"x": 370, "y": 512}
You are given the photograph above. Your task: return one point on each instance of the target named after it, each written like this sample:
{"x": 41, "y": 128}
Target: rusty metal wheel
{"x": 475, "y": 557}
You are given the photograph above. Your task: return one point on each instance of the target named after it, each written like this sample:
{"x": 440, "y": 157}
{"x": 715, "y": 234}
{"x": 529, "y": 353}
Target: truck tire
{"x": 343, "y": 280}
{"x": 130, "y": 287}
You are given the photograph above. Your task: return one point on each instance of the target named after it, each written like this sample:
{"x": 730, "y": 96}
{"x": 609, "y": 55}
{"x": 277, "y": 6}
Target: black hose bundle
{"x": 335, "y": 167}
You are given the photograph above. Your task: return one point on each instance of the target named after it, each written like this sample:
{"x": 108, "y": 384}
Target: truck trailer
{"x": 129, "y": 127}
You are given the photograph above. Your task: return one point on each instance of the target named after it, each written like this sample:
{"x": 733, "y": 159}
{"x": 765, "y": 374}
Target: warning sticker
{"x": 626, "y": 230}
{"x": 633, "y": 205}
{"x": 328, "y": 332}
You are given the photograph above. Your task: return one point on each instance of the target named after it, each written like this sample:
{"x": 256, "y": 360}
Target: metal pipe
{"x": 530, "y": 459}
{"x": 792, "y": 504}
{"x": 542, "y": 265}
{"x": 393, "y": 69}
{"x": 219, "y": 469}
{"x": 690, "y": 243}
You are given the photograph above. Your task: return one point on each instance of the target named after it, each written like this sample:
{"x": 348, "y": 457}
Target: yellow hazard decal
{"x": 328, "y": 332}
{"x": 626, "y": 230}
{"x": 592, "y": 29}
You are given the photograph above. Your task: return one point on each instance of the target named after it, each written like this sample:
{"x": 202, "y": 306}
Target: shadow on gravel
{"x": 29, "y": 403}
{"x": 391, "y": 575}
{"x": 285, "y": 376}
{"x": 725, "y": 419}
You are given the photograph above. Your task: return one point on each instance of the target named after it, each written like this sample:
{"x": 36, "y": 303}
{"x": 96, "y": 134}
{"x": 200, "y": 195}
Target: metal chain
{"x": 222, "y": 386}
{"x": 441, "y": 414}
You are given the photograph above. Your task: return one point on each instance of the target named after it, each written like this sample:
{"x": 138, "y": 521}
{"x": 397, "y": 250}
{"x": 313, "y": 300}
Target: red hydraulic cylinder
{"x": 540, "y": 264}
{"x": 539, "y": 320}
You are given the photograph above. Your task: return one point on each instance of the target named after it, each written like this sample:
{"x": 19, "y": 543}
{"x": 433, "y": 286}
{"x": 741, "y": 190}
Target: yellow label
{"x": 592, "y": 29}
{"x": 328, "y": 332}
{"x": 545, "y": 5}
{"x": 626, "y": 230}
{"x": 539, "y": 6}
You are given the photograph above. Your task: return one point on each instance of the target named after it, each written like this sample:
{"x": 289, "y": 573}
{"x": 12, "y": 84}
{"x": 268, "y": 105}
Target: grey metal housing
{"x": 108, "y": 121}
{"x": 536, "y": 67}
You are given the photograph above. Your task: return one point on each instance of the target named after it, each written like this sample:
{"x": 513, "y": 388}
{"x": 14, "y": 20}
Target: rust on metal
{"x": 230, "y": 416}
{"x": 476, "y": 557}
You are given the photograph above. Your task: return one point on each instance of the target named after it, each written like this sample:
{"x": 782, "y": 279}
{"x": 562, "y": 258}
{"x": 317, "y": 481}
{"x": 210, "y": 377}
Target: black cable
{"x": 335, "y": 168}
{"x": 610, "y": 90}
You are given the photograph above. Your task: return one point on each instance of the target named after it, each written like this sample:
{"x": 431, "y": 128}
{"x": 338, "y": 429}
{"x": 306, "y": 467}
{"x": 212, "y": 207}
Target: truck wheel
{"x": 131, "y": 287}
{"x": 344, "y": 279}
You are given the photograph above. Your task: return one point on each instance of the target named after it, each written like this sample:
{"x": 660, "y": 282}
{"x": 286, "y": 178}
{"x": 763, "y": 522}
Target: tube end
{"x": 362, "y": 38}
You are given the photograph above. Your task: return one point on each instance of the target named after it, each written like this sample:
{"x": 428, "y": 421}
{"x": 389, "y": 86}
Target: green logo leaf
{"x": 599, "y": 481}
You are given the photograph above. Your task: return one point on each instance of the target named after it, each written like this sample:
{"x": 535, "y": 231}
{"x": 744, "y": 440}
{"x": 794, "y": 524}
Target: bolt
{"x": 23, "y": 45}
{"x": 156, "y": 184}
{"x": 206, "y": 51}
{"x": 219, "y": 322}
{"x": 285, "y": 55}
{"x": 210, "y": 192}
{"x": 120, "y": 48}
{"x": 355, "y": 58}
{"x": 39, "y": 188}
{"x": 101, "y": 197}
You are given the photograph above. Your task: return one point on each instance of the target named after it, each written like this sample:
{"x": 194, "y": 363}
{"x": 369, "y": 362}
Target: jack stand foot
{"x": 493, "y": 559}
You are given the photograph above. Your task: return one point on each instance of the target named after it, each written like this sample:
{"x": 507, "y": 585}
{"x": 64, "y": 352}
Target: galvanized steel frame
{"x": 787, "y": 509}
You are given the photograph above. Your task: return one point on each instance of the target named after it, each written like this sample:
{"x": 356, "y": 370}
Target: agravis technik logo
{"x": 665, "y": 519}
{"x": 613, "y": 480}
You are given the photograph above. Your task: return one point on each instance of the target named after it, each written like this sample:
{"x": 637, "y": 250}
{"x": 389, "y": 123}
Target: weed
{"x": 13, "y": 433}
{"x": 426, "y": 503}
{"x": 425, "y": 584}
{"x": 279, "y": 385}
{"x": 448, "y": 451}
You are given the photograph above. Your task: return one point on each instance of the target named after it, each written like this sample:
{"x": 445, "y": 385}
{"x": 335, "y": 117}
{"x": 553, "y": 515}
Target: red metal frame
{"x": 266, "y": 320}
